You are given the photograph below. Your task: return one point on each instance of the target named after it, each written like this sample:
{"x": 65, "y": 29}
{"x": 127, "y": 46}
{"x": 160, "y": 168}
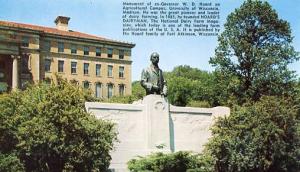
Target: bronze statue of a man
{"x": 152, "y": 77}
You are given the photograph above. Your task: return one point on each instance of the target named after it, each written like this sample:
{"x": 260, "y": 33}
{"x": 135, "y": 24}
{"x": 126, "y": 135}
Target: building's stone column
{"x": 15, "y": 72}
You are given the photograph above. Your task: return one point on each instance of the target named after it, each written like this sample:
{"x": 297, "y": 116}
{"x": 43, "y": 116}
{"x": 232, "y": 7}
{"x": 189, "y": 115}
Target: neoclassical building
{"x": 31, "y": 53}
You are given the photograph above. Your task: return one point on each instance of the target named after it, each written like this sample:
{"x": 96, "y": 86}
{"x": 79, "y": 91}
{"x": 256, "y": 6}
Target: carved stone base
{"x": 158, "y": 129}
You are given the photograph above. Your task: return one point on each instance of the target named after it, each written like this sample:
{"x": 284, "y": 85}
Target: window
{"x": 109, "y": 90}
{"x": 110, "y": 52}
{"x": 25, "y": 65}
{"x": 47, "y": 46}
{"x": 73, "y": 67}
{"x": 25, "y": 41}
{"x": 61, "y": 47}
{"x": 86, "y": 84}
{"x": 121, "y": 72}
{"x": 98, "y": 90}
{"x": 109, "y": 70}
{"x": 73, "y": 49}
{"x": 47, "y": 65}
{"x": 86, "y": 68}
{"x": 121, "y": 54}
{"x": 60, "y": 66}
{"x": 98, "y": 69}
{"x": 98, "y": 51}
{"x": 86, "y": 50}
{"x": 121, "y": 89}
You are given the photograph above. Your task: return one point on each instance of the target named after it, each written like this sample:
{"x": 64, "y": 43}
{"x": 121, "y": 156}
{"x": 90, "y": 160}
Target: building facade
{"x": 30, "y": 53}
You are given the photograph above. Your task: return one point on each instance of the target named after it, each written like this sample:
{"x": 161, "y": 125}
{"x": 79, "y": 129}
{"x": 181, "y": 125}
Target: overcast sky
{"x": 103, "y": 18}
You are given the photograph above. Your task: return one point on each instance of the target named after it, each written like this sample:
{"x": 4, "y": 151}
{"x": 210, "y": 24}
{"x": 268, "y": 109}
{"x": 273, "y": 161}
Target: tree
{"x": 189, "y": 72}
{"x": 262, "y": 136}
{"x": 47, "y": 128}
{"x": 138, "y": 92}
{"x": 179, "y": 90}
{"x": 192, "y": 87}
{"x": 254, "y": 52}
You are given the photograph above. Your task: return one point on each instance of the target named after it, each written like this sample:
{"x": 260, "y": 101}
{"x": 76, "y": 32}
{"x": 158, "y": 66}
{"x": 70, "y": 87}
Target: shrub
{"x": 172, "y": 162}
{"x": 10, "y": 162}
{"x": 48, "y": 128}
{"x": 260, "y": 136}
{"x": 201, "y": 104}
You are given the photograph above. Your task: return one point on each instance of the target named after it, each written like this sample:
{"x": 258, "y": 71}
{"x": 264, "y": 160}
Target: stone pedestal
{"x": 158, "y": 128}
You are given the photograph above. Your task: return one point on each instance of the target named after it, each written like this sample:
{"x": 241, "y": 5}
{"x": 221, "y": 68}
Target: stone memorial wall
{"x": 153, "y": 125}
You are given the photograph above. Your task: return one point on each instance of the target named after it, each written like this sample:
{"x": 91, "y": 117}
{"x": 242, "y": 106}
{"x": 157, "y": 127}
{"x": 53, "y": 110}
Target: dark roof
{"x": 55, "y": 31}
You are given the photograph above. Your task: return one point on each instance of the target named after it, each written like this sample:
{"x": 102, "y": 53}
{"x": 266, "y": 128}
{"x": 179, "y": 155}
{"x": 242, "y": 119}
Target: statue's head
{"x": 154, "y": 58}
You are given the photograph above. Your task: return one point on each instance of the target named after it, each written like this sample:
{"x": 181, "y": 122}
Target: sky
{"x": 104, "y": 18}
